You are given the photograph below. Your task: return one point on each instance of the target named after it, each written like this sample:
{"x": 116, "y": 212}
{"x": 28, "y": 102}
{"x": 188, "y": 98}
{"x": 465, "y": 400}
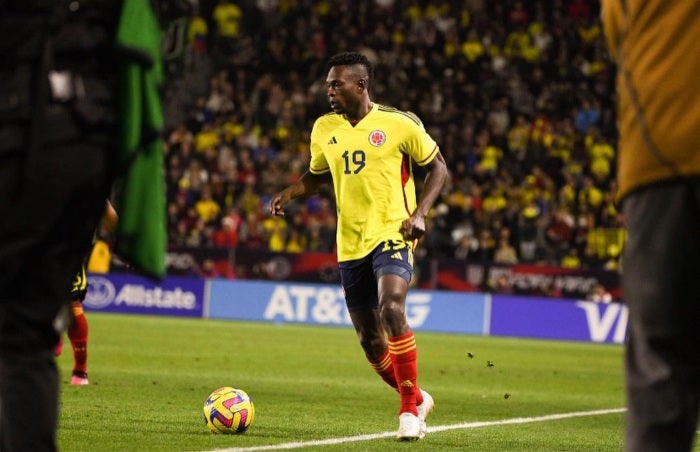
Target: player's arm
{"x": 307, "y": 185}
{"x": 414, "y": 227}
{"x": 110, "y": 218}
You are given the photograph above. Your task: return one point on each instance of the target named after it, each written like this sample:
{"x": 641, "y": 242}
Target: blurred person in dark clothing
{"x": 655, "y": 44}
{"x": 57, "y": 124}
{"x": 58, "y": 145}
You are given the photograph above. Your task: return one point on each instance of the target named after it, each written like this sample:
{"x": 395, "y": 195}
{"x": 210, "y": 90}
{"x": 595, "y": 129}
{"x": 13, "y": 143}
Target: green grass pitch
{"x": 150, "y": 376}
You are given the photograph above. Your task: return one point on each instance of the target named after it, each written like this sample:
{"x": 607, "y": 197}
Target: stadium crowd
{"x": 519, "y": 95}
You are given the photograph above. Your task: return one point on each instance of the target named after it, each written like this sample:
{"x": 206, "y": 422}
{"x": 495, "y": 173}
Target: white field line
{"x": 433, "y": 429}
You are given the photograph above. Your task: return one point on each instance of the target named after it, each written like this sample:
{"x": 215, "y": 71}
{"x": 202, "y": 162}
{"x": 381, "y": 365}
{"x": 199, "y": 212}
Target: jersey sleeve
{"x": 420, "y": 145}
{"x": 318, "y": 163}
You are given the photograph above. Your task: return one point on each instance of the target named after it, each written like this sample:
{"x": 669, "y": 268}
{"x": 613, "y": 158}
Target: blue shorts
{"x": 360, "y": 277}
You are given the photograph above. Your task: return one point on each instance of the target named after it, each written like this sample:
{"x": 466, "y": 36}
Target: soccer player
{"x": 659, "y": 185}
{"x": 366, "y": 151}
{"x": 78, "y": 330}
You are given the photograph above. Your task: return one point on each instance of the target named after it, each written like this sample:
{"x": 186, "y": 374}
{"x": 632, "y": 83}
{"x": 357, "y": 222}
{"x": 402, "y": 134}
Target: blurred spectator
{"x": 207, "y": 137}
{"x": 466, "y": 247}
{"x": 252, "y": 233}
{"x": 197, "y": 32}
{"x": 590, "y": 258}
{"x": 500, "y": 284}
{"x": 487, "y": 246}
{"x": 613, "y": 258}
{"x": 321, "y": 238}
{"x": 179, "y": 135}
{"x": 505, "y": 253}
{"x": 601, "y": 155}
{"x": 599, "y": 294}
{"x": 227, "y": 17}
{"x": 528, "y": 231}
{"x": 571, "y": 259}
{"x": 207, "y": 209}
{"x": 208, "y": 269}
{"x": 472, "y": 48}
{"x": 276, "y": 232}
{"x": 587, "y": 116}
{"x": 560, "y": 230}
{"x": 590, "y": 194}
{"x": 227, "y": 235}
{"x": 296, "y": 241}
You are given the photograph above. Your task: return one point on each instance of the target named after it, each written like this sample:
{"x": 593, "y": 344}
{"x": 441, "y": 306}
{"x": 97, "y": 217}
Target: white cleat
{"x": 424, "y": 410}
{"x": 409, "y": 427}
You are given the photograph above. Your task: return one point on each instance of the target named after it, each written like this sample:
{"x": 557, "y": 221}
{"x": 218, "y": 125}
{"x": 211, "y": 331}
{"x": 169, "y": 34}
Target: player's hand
{"x": 413, "y": 227}
{"x": 278, "y": 202}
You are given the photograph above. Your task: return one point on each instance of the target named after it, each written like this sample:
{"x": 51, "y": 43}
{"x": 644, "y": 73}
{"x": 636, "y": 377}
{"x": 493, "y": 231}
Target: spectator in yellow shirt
{"x": 590, "y": 194}
{"x": 601, "y": 154}
{"x": 197, "y": 32}
{"x": 207, "y": 209}
{"x": 472, "y": 48}
{"x": 227, "y": 17}
{"x": 207, "y": 137}
{"x": 571, "y": 259}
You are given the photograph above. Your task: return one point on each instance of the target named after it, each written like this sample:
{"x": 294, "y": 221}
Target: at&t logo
{"x": 326, "y": 305}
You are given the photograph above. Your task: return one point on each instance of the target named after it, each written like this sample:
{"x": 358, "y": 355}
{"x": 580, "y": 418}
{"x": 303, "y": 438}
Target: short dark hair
{"x": 351, "y": 59}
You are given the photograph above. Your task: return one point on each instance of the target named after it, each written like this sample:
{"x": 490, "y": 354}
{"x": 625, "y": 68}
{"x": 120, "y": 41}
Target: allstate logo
{"x": 100, "y": 292}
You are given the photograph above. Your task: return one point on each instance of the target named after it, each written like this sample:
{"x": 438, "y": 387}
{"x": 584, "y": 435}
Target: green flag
{"x": 141, "y": 231}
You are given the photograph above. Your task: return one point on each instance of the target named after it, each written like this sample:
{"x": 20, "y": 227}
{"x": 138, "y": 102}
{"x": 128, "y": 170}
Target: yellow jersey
{"x": 371, "y": 166}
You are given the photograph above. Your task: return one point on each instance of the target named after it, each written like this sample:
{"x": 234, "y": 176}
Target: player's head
{"x": 348, "y": 81}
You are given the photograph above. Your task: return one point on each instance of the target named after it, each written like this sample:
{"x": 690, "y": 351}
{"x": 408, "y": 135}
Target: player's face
{"x": 344, "y": 90}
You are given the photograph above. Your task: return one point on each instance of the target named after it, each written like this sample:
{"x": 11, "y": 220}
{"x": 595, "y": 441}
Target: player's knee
{"x": 392, "y": 308}
{"x": 392, "y": 299}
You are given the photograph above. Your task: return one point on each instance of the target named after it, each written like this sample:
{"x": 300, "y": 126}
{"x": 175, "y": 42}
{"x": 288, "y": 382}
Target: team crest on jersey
{"x": 377, "y": 138}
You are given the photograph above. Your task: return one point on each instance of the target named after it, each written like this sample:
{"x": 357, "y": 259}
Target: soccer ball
{"x": 228, "y": 410}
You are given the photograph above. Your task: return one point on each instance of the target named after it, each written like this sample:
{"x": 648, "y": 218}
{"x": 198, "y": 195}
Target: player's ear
{"x": 362, "y": 83}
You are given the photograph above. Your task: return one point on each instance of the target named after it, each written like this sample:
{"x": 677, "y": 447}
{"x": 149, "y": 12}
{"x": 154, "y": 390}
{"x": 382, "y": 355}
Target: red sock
{"x": 384, "y": 368}
{"x": 402, "y": 350}
{"x": 78, "y": 335}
